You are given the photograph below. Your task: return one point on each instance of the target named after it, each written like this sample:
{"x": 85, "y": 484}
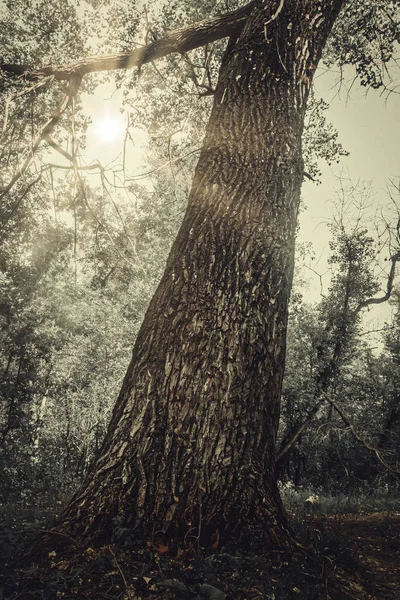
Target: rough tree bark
{"x": 190, "y": 450}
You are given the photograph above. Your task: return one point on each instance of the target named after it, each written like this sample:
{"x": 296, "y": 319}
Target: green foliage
{"x": 327, "y": 357}
{"x": 365, "y": 35}
{"x": 320, "y": 138}
{"x": 42, "y": 34}
{"x": 73, "y": 298}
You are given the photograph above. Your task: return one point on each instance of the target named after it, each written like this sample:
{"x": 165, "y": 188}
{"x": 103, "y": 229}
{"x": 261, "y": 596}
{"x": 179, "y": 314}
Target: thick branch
{"x": 180, "y": 40}
{"x": 389, "y": 287}
{"x": 57, "y": 147}
{"x": 310, "y": 416}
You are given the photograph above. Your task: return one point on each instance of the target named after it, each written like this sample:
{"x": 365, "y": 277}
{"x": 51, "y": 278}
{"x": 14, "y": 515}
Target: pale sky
{"x": 369, "y": 128}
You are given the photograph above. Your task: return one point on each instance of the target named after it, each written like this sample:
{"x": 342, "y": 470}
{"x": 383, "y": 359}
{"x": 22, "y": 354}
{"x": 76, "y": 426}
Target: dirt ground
{"x": 345, "y": 557}
{"x": 374, "y": 539}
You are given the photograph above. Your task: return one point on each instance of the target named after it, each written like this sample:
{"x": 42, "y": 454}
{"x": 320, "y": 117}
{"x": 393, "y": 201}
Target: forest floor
{"x": 374, "y": 540}
{"x": 351, "y": 556}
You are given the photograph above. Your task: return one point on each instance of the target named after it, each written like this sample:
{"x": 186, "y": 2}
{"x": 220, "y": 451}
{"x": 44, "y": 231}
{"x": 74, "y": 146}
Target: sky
{"x": 369, "y": 129}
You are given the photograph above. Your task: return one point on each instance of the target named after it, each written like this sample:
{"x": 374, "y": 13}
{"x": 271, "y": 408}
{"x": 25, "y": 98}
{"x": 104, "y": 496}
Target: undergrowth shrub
{"x": 377, "y": 499}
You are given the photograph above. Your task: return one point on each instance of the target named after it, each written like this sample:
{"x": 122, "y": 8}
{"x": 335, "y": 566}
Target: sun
{"x": 110, "y": 128}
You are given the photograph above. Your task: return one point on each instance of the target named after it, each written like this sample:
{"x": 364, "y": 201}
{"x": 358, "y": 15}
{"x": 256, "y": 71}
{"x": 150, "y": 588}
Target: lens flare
{"x": 110, "y": 129}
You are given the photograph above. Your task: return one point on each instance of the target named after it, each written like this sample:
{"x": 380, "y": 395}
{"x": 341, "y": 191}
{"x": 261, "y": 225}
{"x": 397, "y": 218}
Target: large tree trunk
{"x": 191, "y": 446}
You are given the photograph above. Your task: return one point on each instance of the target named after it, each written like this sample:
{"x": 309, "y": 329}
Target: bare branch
{"x": 57, "y": 147}
{"x": 44, "y": 134}
{"x": 389, "y": 287}
{"x": 310, "y": 416}
{"x": 359, "y": 438}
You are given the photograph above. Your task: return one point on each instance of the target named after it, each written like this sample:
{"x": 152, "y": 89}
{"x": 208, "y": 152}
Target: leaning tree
{"x": 190, "y": 449}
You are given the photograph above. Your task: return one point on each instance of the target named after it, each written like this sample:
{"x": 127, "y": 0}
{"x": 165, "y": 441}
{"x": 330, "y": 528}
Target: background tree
{"x": 329, "y": 358}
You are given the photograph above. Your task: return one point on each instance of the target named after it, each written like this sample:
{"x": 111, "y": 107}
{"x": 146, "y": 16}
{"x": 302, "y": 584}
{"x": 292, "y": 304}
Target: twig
{"x": 274, "y": 16}
{"x": 121, "y": 573}
{"x": 60, "y": 534}
{"x": 5, "y": 119}
{"x": 358, "y": 437}
{"x": 46, "y": 131}
{"x": 21, "y": 197}
{"x": 310, "y": 177}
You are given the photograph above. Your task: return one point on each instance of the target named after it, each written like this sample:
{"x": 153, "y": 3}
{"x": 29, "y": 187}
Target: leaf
{"x": 209, "y": 591}
{"x": 215, "y": 540}
{"x": 161, "y": 548}
{"x": 177, "y": 585}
